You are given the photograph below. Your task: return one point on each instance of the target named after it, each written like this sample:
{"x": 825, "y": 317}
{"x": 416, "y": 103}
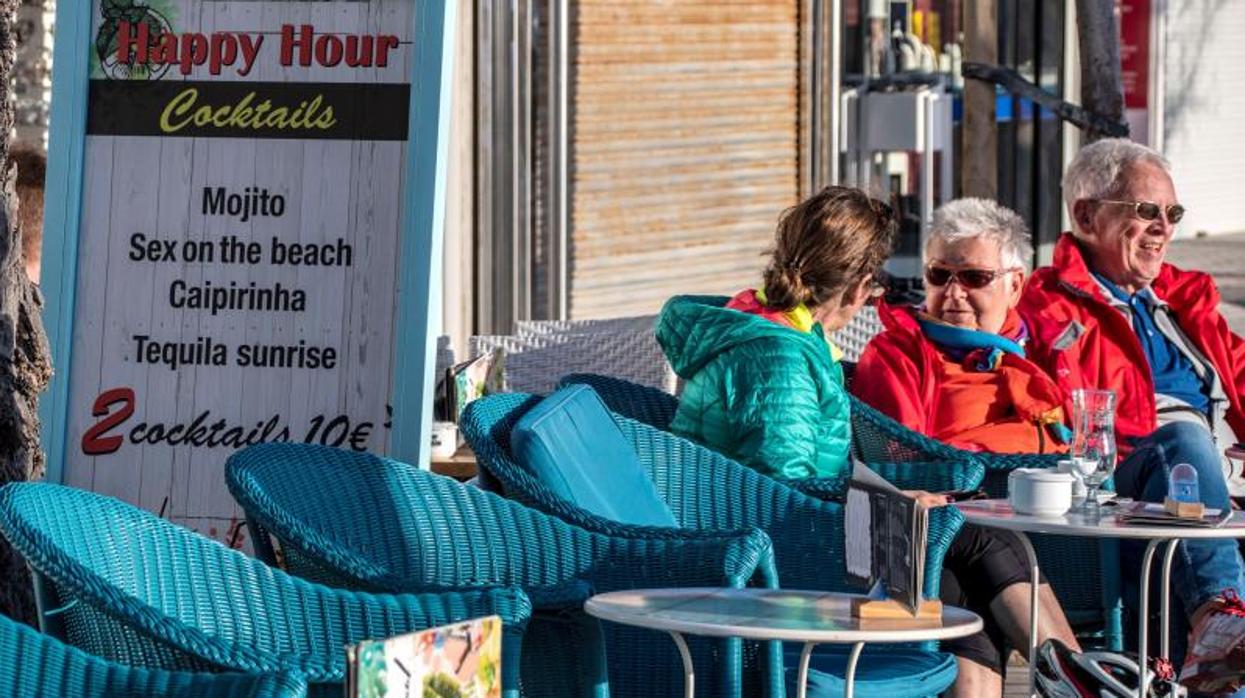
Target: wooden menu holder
{"x": 890, "y": 609}
{"x": 1184, "y": 510}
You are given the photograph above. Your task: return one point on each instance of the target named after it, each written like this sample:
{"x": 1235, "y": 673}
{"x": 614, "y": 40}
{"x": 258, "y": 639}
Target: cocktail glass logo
{"x": 134, "y": 14}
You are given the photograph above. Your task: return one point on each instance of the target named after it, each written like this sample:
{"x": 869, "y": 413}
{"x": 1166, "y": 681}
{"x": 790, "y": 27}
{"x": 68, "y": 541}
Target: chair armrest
{"x": 708, "y": 559}
{"x": 561, "y": 597}
{"x": 1011, "y": 461}
{"x": 932, "y": 476}
{"x": 876, "y": 436}
{"x": 944, "y": 524}
{"x": 827, "y": 489}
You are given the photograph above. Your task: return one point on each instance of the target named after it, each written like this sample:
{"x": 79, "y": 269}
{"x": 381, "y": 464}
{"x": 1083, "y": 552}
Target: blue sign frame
{"x": 423, "y": 221}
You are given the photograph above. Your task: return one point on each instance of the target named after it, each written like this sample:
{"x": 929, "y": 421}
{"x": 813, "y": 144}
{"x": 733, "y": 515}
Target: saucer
{"x": 1103, "y": 497}
{"x": 1045, "y": 513}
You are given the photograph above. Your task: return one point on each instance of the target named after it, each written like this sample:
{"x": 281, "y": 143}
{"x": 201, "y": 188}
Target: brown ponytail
{"x": 826, "y": 243}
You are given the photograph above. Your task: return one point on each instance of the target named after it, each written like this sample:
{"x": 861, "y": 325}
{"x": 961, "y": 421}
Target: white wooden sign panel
{"x": 240, "y": 242}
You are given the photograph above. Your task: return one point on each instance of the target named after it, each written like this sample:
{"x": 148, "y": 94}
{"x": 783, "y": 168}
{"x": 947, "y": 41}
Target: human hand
{"x": 929, "y": 500}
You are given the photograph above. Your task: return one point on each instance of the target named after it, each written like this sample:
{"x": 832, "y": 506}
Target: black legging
{"x": 981, "y": 563}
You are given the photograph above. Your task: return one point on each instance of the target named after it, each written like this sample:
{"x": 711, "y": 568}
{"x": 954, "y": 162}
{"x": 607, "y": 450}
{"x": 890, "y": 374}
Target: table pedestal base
{"x": 801, "y": 687}
{"x": 1143, "y": 631}
{"x": 689, "y": 672}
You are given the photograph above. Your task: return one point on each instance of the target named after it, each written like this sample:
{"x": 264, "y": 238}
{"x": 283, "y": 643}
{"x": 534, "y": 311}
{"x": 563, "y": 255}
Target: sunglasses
{"x": 1150, "y": 211}
{"x": 968, "y": 278}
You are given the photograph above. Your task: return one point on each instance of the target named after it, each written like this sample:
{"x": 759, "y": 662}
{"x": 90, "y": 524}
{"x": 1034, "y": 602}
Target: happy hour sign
{"x": 240, "y": 243}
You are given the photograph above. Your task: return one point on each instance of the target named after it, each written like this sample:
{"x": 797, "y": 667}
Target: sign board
{"x": 245, "y": 202}
{"x": 1135, "y": 64}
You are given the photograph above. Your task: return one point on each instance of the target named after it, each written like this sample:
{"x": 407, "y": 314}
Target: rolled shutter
{"x": 684, "y": 147}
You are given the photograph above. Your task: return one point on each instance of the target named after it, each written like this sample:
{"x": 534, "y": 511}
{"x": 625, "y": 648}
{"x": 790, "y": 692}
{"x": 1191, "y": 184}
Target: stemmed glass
{"x": 1093, "y": 441}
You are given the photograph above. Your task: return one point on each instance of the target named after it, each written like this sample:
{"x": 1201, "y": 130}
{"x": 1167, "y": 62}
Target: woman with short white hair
{"x": 954, "y": 369}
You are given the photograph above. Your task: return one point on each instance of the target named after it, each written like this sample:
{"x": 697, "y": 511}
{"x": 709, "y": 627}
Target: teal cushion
{"x": 882, "y": 672}
{"x": 570, "y": 443}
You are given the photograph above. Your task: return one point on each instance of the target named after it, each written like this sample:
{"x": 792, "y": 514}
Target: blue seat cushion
{"x": 570, "y": 443}
{"x": 881, "y": 672}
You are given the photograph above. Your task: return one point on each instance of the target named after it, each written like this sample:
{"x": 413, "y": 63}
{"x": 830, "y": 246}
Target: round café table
{"x": 811, "y": 617}
{"x": 997, "y": 513}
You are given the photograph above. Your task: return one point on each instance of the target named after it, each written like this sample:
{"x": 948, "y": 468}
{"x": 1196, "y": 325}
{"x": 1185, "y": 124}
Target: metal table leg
{"x": 689, "y": 676}
{"x": 1165, "y": 601}
{"x": 801, "y": 681}
{"x": 849, "y": 685}
{"x": 1143, "y": 636}
{"x": 1033, "y": 609}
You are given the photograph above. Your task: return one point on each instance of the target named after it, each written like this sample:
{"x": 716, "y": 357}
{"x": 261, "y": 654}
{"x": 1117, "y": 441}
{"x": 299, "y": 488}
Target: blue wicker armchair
{"x": 423, "y": 530}
{"x": 1089, "y": 590}
{"x": 132, "y": 588}
{"x": 38, "y": 665}
{"x": 904, "y": 457}
{"x": 706, "y": 492}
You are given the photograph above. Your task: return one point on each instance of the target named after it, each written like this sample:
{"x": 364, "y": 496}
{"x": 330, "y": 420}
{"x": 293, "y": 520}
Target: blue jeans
{"x": 1201, "y": 570}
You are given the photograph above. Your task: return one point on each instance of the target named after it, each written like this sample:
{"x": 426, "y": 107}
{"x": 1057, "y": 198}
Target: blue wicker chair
{"x": 1089, "y": 590}
{"x": 707, "y": 491}
{"x": 424, "y": 530}
{"x": 39, "y": 665}
{"x": 132, "y": 588}
{"x": 906, "y": 458}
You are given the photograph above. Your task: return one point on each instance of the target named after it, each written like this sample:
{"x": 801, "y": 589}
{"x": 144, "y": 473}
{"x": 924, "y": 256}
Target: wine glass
{"x": 1093, "y": 442}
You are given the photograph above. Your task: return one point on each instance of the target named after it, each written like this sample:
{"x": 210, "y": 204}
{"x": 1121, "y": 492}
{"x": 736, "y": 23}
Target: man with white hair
{"x": 1110, "y": 313}
{"x": 1152, "y": 332}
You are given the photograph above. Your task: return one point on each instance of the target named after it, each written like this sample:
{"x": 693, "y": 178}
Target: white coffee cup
{"x": 444, "y": 439}
{"x": 1039, "y": 491}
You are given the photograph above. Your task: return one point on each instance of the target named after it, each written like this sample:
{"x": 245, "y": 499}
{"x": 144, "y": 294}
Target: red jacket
{"x": 1009, "y": 409}
{"x": 1104, "y": 352}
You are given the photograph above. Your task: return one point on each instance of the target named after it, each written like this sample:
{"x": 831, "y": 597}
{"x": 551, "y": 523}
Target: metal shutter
{"x": 684, "y": 147}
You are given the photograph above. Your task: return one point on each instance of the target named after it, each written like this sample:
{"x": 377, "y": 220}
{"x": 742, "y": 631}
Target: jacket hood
{"x": 899, "y": 318}
{"x": 694, "y": 330}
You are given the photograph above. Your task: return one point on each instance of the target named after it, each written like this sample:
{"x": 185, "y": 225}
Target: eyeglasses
{"x": 968, "y": 278}
{"x": 1150, "y": 211}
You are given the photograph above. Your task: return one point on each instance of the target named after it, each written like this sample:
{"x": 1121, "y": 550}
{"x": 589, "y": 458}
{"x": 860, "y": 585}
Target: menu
{"x": 240, "y": 240}
{"x": 461, "y": 661}
{"x": 885, "y": 538}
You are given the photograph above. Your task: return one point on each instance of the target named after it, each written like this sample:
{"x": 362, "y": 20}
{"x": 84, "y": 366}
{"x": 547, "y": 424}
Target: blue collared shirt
{"x": 1173, "y": 373}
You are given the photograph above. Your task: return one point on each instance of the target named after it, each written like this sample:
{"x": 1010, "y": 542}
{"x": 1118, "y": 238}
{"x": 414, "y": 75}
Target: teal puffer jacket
{"x": 761, "y": 393}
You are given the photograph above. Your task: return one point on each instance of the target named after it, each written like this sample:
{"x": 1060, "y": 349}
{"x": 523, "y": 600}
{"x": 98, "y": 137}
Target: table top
{"x": 461, "y": 465}
{"x": 770, "y": 614}
{"x": 997, "y": 513}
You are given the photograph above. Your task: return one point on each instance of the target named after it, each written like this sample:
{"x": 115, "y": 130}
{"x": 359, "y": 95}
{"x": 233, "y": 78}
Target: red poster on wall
{"x": 1135, "y": 51}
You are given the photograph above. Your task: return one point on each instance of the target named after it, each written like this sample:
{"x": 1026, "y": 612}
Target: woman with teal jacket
{"x": 764, "y": 387}
{"x": 763, "y": 384}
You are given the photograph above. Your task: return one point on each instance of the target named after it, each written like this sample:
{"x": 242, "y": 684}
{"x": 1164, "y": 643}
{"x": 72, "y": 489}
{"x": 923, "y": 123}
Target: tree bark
{"x": 32, "y": 71}
{"x": 25, "y": 363}
{"x": 1102, "y": 87}
{"x": 979, "y": 148}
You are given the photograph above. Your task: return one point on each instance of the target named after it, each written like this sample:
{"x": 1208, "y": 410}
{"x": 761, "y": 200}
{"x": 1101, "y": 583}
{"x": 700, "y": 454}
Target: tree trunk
{"x": 25, "y": 364}
{"x": 979, "y": 149}
{"x": 32, "y": 71}
{"x": 1102, "y": 88}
